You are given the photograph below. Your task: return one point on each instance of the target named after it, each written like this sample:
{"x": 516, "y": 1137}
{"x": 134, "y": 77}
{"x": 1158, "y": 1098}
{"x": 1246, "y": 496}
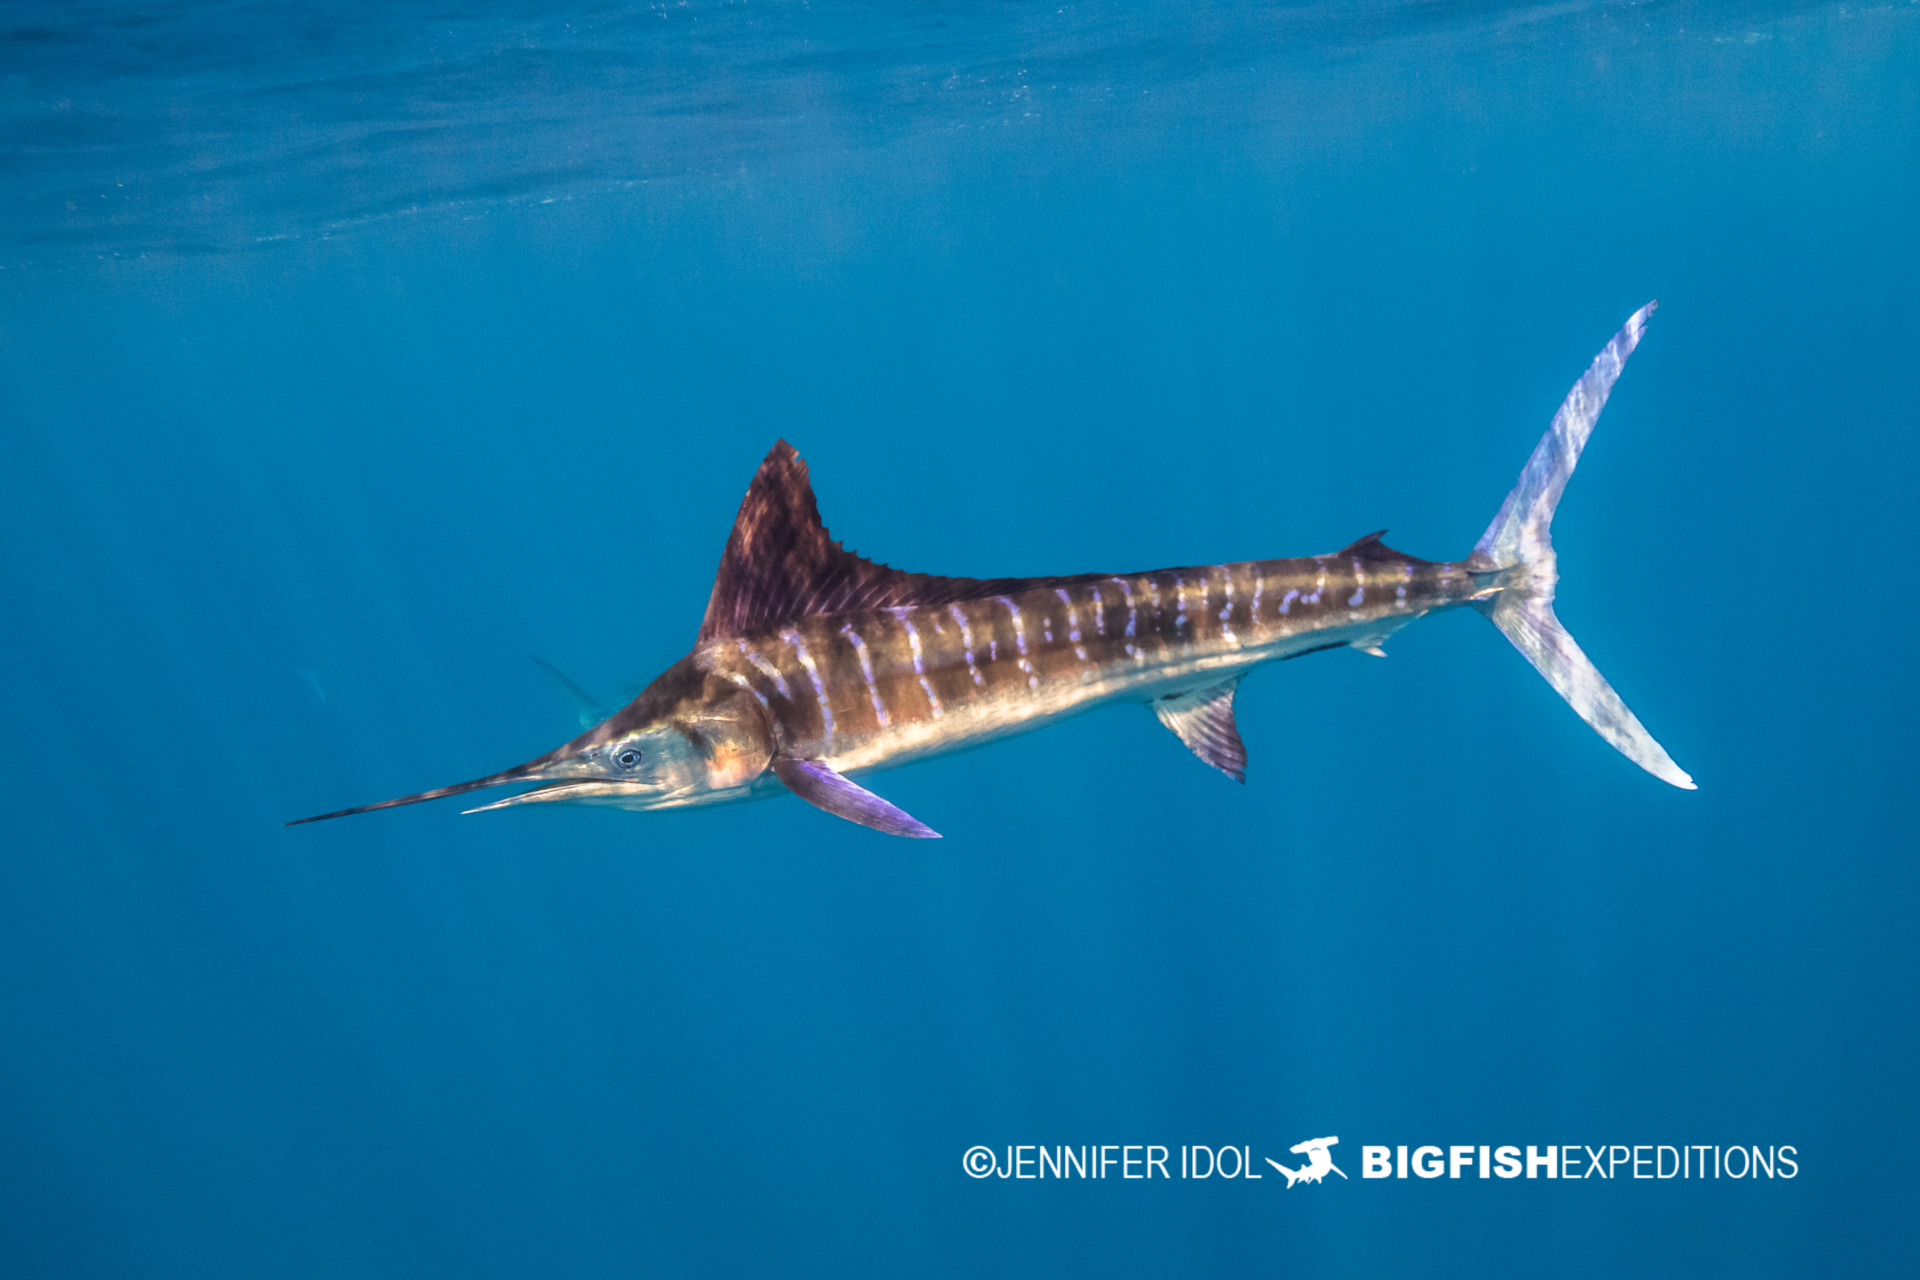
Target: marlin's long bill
{"x": 492, "y": 780}
{"x": 813, "y": 664}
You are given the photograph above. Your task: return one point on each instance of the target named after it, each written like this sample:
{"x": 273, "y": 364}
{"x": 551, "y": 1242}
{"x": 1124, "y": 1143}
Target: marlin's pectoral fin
{"x": 588, "y": 709}
{"x": 822, "y": 788}
{"x": 1204, "y": 721}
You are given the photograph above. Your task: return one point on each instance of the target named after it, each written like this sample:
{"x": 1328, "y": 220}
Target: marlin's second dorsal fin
{"x": 1368, "y": 548}
{"x": 780, "y": 563}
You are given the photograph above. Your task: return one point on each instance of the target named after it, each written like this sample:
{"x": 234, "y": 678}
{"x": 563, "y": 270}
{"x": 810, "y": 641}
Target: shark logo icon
{"x": 1319, "y": 1164}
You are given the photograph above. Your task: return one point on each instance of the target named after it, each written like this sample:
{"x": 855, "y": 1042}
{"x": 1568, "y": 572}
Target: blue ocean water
{"x": 350, "y": 360}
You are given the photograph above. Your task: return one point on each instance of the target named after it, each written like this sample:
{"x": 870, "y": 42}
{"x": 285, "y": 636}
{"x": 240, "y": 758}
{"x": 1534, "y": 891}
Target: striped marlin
{"x": 814, "y": 664}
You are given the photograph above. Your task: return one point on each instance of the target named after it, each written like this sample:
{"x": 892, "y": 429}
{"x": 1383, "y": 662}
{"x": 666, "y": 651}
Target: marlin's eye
{"x": 627, "y": 758}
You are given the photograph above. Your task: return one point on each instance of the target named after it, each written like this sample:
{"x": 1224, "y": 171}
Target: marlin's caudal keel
{"x": 813, "y": 663}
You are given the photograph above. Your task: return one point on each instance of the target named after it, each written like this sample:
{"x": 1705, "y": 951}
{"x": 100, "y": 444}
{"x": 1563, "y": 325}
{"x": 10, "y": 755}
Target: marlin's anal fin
{"x": 823, "y": 788}
{"x": 1204, "y": 721}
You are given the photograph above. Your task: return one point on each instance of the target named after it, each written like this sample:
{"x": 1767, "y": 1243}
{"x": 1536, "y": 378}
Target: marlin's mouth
{"x": 569, "y": 789}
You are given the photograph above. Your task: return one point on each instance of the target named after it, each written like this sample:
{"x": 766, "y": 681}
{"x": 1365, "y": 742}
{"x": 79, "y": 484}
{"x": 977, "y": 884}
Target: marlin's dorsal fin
{"x": 781, "y": 564}
{"x": 1204, "y": 721}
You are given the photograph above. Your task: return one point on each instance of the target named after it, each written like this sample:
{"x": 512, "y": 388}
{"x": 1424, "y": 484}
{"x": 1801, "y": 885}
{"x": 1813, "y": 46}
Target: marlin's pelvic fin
{"x": 1516, "y": 554}
{"x": 826, "y": 789}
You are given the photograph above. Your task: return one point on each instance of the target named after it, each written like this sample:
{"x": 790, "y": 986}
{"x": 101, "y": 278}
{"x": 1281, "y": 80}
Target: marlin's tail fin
{"x": 1516, "y": 552}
